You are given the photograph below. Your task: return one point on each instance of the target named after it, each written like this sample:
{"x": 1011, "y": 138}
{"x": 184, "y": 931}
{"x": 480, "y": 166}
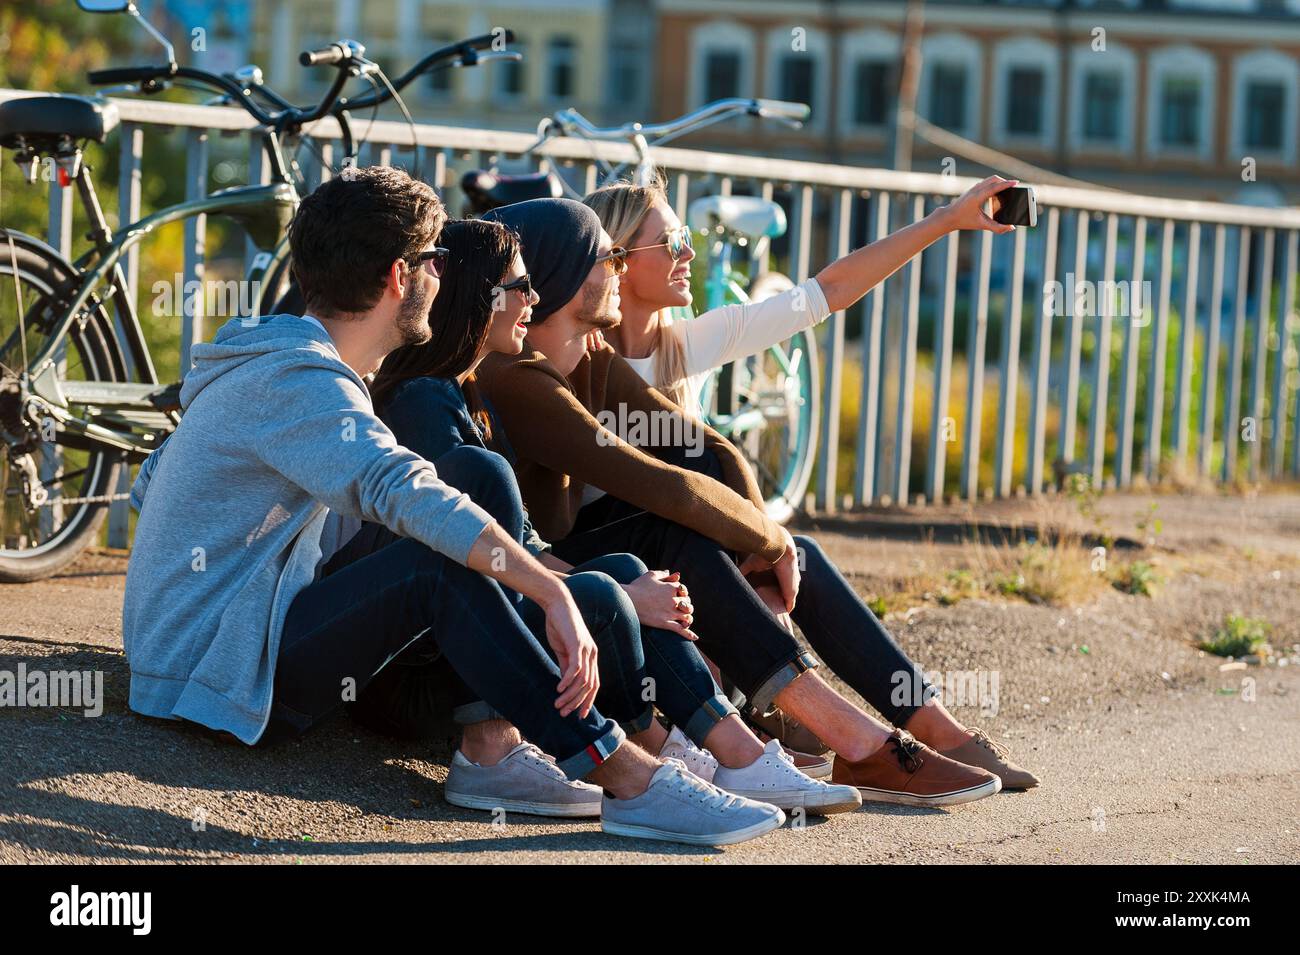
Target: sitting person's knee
{"x": 624, "y": 568}
{"x": 487, "y": 478}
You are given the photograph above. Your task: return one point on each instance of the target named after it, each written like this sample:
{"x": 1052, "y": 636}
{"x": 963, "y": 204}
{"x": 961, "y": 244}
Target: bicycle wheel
{"x": 54, "y": 487}
{"x": 774, "y": 416}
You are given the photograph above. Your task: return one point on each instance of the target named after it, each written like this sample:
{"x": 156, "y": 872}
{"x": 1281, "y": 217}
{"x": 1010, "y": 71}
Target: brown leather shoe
{"x": 908, "y": 772}
{"x": 986, "y": 754}
{"x": 814, "y": 767}
{"x": 792, "y": 734}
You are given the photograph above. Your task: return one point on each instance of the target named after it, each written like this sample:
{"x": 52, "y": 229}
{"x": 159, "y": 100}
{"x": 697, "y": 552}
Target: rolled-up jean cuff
{"x": 711, "y": 712}
{"x": 641, "y": 723}
{"x": 767, "y": 691}
{"x": 583, "y": 762}
{"x": 476, "y": 712}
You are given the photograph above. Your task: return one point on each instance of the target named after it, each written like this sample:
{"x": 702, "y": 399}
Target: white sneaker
{"x": 699, "y": 761}
{"x": 773, "y": 778}
{"x": 526, "y": 780}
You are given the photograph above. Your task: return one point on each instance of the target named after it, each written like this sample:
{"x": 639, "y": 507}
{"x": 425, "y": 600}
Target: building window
{"x": 1101, "y": 107}
{"x": 560, "y": 62}
{"x": 1025, "y": 101}
{"x": 721, "y": 75}
{"x": 948, "y": 96}
{"x": 626, "y": 79}
{"x": 797, "y": 79}
{"x": 440, "y": 79}
{"x": 1265, "y": 101}
{"x": 511, "y": 78}
{"x": 1180, "y": 112}
{"x": 871, "y": 92}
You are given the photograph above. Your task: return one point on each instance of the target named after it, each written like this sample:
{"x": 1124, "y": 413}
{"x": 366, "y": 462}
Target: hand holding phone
{"x": 1016, "y": 206}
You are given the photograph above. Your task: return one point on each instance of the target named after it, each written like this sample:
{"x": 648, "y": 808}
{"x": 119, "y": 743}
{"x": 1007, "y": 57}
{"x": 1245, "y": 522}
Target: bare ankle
{"x": 626, "y": 774}
{"x": 488, "y": 742}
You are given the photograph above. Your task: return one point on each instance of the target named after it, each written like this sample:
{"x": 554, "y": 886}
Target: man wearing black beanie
{"x": 591, "y": 492}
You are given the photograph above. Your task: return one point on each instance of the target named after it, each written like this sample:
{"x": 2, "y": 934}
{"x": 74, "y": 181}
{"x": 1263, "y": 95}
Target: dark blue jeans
{"x": 640, "y": 667}
{"x": 406, "y": 600}
{"x": 736, "y": 629}
{"x": 409, "y": 696}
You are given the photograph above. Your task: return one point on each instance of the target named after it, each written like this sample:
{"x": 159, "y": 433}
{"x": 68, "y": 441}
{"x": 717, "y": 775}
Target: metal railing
{"x": 1172, "y": 351}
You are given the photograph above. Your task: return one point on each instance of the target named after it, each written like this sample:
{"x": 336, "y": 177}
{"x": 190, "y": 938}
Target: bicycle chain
{"x": 89, "y": 499}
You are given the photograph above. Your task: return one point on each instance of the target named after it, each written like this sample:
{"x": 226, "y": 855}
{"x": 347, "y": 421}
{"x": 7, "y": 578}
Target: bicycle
{"x": 80, "y": 397}
{"x": 767, "y": 404}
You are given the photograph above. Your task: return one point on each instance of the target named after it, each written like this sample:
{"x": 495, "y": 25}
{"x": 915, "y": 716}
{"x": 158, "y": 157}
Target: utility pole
{"x": 909, "y": 78}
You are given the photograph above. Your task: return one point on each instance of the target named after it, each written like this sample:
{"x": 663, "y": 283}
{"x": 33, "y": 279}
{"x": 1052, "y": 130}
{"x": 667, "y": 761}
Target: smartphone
{"x": 1016, "y": 206}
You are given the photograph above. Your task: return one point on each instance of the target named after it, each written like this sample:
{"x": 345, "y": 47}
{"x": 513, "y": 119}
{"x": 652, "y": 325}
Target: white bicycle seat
{"x": 749, "y": 215}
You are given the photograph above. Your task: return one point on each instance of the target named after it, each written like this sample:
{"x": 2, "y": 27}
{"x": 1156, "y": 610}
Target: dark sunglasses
{"x": 523, "y": 284}
{"x": 616, "y": 261}
{"x": 435, "y": 259}
{"x": 678, "y": 241}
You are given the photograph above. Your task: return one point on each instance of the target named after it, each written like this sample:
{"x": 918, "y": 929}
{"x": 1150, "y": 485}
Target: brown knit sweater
{"x": 560, "y": 447}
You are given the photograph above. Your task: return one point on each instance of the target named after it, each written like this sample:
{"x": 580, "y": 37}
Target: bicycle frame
{"x": 261, "y": 208}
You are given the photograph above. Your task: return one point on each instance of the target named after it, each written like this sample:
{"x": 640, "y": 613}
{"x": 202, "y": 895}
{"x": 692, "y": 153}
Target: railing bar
{"x": 976, "y": 341}
{"x": 259, "y": 173}
{"x": 1281, "y": 402}
{"x": 939, "y": 431}
{"x": 1261, "y": 355}
{"x": 1232, "y": 411}
{"x": 907, "y": 369}
{"x": 829, "y": 444}
{"x": 1133, "y": 323}
{"x": 196, "y": 228}
{"x": 759, "y": 251}
{"x": 1074, "y": 339}
{"x": 682, "y": 194}
{"x": 1042, "y": 360}
{"x": 1186, "y": 346}
{"x": 1159, "y": 353}
{"x": 1101, "y": 360}
{"x": 868, "y": 419}
{"x": 129, "y": 190}
{"x": 1209, "y": 384}
{"x": 801, "y": 241}
{"x": 1009, "y": 373}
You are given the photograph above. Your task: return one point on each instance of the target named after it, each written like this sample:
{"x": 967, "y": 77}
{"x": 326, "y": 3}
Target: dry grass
{"x": 1046, "y": 561}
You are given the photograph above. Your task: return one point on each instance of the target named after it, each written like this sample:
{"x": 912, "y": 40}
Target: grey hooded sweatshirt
{"x": 276, "y": 432}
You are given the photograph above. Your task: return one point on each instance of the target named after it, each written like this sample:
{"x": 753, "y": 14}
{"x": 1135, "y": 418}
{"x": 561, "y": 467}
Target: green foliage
{"x": 1138, "y": 578}
{"x": 1238, "y": 637}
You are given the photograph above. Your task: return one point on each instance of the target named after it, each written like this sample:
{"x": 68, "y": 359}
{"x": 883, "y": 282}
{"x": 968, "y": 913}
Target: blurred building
{"x": 1175, "y": 97}
{"x": 590, "y": 54}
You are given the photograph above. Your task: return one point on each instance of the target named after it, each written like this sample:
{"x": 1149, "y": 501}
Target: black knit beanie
{"x": 561, "y": 242}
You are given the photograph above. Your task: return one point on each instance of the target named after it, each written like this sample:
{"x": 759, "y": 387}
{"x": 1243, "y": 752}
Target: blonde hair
{"x": 623, "y": 208}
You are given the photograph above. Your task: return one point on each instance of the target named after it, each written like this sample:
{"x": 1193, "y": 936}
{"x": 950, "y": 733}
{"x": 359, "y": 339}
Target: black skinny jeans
{"x": 736, "y": 629}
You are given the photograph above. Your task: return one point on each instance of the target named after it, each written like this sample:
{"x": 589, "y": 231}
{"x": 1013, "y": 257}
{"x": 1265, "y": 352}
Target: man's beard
{"x": 413, "y": 316}
{"x": 597, "y": 310}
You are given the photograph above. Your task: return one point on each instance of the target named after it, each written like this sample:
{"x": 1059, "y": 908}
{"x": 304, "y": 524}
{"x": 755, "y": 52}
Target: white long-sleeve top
{"x": 725, "y": 334}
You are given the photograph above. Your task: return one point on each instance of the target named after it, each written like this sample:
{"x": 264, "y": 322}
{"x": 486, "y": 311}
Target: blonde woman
{"x": 677, "y": 357}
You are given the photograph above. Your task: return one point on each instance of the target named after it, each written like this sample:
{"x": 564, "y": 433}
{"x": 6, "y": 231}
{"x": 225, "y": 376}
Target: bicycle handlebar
{"x": 467, "y": 50}
{"x": 331, "y": 55}
{"x": 778, "y": 109}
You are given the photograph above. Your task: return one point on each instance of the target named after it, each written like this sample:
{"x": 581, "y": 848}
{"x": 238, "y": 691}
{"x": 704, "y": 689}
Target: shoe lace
{"x": 997, "y": 749}
{"x": 690, "y": 785}
{"x": 908, "y": 750}
{"x": 534, "y": 754}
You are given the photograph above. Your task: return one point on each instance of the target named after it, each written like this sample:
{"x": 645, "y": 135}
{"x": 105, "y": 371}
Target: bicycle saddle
{"x": 43, "y": 123}
{"x": 487, "y": 190}
{"x": 749, "y": 215}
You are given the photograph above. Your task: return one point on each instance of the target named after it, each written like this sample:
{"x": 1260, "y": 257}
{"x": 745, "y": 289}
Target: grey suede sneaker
{"x": 680, "y": 807}
{"x": 526, "y": 780}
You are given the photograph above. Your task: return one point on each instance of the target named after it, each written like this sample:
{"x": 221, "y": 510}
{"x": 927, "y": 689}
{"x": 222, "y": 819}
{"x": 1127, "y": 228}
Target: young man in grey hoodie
{"x": 227, "y": 621}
